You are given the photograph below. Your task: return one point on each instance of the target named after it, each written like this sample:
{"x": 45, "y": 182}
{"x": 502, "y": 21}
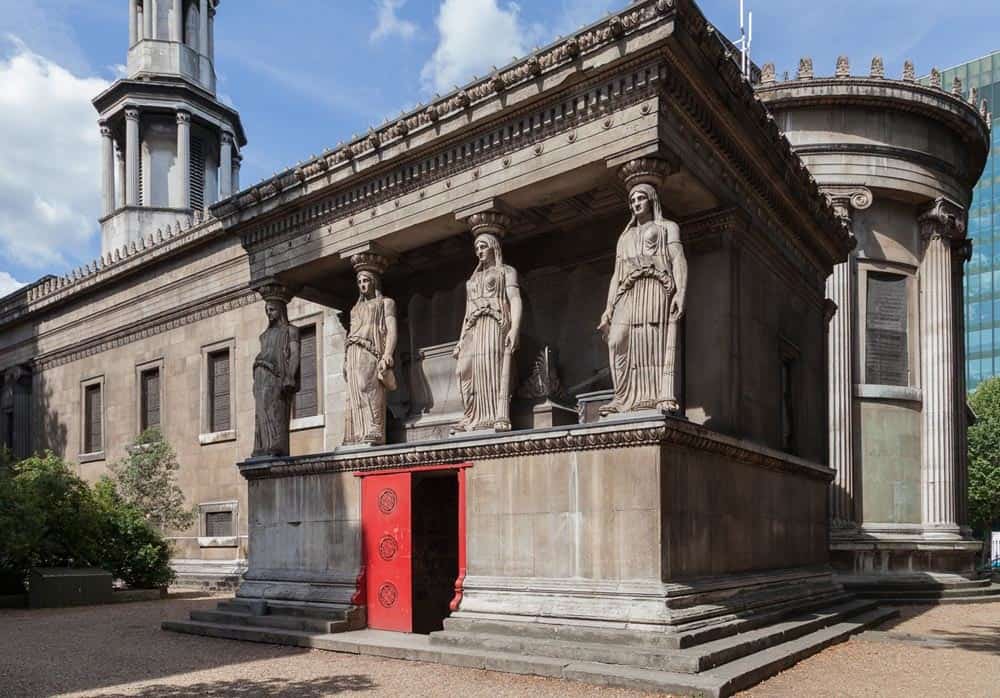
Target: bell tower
{"x": 169, "y": 146}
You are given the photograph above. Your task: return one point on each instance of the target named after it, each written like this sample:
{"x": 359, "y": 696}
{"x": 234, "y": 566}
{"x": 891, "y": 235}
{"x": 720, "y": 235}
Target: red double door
{"x": 388, "y": 546}
{"x": 414, "y": 551}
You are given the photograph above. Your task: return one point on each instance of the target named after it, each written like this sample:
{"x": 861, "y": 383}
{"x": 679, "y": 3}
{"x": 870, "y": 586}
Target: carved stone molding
{"x": 645, "y": 171}
{"x": 274, "y": 290}
{"x": 493, "y": 222}
{"x": 132, "y": 113}
{"x": 666, "y": 431}
{"x": 370, "y": 261}
{"x": 105, "y": 129}
{"x": 944, "y": 219}
{"x": 183, "y": 117}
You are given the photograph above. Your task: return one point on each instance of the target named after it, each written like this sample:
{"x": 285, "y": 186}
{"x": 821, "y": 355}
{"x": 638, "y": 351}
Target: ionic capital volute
{"x": 105, "y": 128}
{"x": 183, "y": 117}
{"x": 944, "y": 219}
{"x": 846, "y": 200}
{"x": 132, "y": 113}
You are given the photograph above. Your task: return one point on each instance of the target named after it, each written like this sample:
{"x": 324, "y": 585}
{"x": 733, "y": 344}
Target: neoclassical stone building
{"x": 540, "y": 369}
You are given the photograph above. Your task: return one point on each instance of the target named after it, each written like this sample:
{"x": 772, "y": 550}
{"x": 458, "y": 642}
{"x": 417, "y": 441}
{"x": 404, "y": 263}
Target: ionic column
{"x": 211, "y": 33}
{"x": 226, "y": 166}
{"x": 184, "y": 159}
{"x": 119, "y": 176}
{"x": 840, "y": 289}
{"x": 132, "y": 156}
{"x": 961, "y": 253}
{"x": 237, "y": 162}
{"x": 203, "y": 27}
{"x": 937, "y": 322}
{"x": 177, "y": 21}
{"x": 133, "y": 26}
{"x": 107, "y": 170}
{"x": 147, "y": 19}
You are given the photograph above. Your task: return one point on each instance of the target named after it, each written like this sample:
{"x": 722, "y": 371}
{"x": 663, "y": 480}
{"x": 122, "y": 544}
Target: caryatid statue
{"x": 275, "y": 375}
{"x": 490, "y": 330}
{"x": 371, "y": 344}
{"x": 645, "y": 299}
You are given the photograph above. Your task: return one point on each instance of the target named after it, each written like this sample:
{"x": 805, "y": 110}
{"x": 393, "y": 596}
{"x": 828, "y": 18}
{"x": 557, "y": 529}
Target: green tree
{"x": 984, "y": 456}
{"x": 146, "y": 480}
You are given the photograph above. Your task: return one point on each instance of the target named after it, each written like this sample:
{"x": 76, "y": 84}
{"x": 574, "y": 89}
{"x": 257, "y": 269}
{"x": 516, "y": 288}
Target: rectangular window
{"x": 787, "y": 405}
{"x": 149, "y": 397}
{"x": 886, "y": 345}
{"x": 306, "y": 401}
{"x": 218, "y": 391}
{"x": 93, "y": 436}
{"x": 219, "y": 524}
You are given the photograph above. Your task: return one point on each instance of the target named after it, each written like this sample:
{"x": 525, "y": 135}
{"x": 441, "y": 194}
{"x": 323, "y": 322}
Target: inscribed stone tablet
{"x": 886, "y": 360}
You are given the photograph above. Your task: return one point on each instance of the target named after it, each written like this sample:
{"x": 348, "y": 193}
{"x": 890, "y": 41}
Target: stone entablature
{"x": 635, "y": 432}
{"x": 635, "y": 33}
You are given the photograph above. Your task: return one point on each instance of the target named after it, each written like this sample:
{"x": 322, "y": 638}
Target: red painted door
{"x": 385, "y": 525}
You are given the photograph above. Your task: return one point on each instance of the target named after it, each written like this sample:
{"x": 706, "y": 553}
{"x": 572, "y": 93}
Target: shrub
{"x": 132, "y": 549}
{"x": 145, "y": 479}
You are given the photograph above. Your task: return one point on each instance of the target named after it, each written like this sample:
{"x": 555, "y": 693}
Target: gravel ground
{"x": 120, "y": 651}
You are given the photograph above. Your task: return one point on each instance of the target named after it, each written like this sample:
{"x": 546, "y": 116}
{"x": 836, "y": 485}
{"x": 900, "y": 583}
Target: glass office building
{"x": 982, "y": 273}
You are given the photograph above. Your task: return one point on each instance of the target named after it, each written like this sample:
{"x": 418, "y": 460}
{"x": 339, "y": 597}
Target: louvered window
{"x": 306, "y": 400}
{"x": 218, "y": 391}
{"x": 219, "y": 524}
{"x": 197, "y": 173}
{"x": 149, "y": 386}
{"x": 93, "y": 441}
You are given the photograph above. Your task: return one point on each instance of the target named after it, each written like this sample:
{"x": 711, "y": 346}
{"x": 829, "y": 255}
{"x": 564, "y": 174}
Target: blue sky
{"x": 306, "y": 74}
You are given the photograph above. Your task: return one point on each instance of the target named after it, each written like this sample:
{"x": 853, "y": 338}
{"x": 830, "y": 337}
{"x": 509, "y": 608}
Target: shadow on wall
{"x": 50, "y": 430}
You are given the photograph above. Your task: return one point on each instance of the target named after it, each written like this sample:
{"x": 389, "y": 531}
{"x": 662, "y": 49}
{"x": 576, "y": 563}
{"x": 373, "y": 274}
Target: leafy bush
{"x": 984, "y": 456}
{"x": 50, "y": 517}
{"x": 145, "y": 478}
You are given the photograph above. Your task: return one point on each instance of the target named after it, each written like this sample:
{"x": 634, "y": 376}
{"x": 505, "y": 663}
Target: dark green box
{"x": 57, "y": 587}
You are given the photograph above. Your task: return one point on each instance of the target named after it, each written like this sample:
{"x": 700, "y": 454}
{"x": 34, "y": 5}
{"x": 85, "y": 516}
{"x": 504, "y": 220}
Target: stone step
{"x": 654, "y": 640}
{"x": 691, "y": 660}
{"x": 932, "y": 595}
{"x": 271, "y": 621}
{"x": 720, "y": 682}
{"x": 299, "y": 610}
{"x": 748, "y": 671}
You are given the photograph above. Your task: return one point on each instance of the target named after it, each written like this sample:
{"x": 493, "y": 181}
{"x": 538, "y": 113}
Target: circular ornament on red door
{"x": 387, "y": 548}
{"x": 387, "y": 501}
{"x": 387, "y": 594}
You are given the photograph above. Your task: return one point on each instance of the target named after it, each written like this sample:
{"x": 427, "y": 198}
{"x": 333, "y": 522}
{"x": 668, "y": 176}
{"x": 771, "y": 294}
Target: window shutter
{"x": 219, "y": 391}
{"x": 93, "y": 442}
{"x": 219, "y": 524}
{"x": 197, "y": 170}
{"x": 150, "y": 399}
{"x": 306, "y": 402}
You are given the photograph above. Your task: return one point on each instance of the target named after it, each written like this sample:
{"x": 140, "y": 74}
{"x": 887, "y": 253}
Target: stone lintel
{"x": 491, "y": 205}
{"x": 657, "y": 150}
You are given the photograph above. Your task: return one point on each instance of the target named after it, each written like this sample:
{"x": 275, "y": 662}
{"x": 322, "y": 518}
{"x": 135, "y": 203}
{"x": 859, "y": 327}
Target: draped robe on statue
{"x": 642, "y": 340}
{"x": 275, "y": 382}
{"x": 366, "y": 385}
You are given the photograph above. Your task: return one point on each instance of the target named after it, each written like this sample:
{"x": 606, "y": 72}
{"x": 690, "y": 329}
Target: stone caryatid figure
{"x": 371, "y": 344}
{"x": 275, "y": 375}
{"x": 490, "y": 330}
{"x": 646, "y": 299}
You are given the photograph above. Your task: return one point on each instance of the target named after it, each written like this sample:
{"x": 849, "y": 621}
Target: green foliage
{"x": 50, "y": 517}
{"x": 145, "y": 479}
{"x": 984, "y": 456}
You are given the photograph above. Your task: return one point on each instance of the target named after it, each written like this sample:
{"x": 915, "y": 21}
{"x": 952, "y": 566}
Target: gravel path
{"x": 120, "y": 650}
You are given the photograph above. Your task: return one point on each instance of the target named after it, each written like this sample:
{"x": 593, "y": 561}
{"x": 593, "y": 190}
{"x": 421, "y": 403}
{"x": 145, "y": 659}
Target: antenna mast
{"x": 746, "y": 41}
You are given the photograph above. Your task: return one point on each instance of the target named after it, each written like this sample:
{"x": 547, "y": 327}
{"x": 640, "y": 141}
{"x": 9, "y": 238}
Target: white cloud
{"x": 8, "y": 284}
{"x": 475, "y": 35}
{"x": 389, "y": 23}
{"x": 49, "y": 163}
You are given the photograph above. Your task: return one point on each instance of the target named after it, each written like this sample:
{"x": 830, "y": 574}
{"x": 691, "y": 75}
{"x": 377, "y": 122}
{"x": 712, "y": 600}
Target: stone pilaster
{"x": 237, "y": 162}
{"x": 147, "y": 19}
{"x": 133, "y": 23}
{"x": 961, "y": 253}
{"x": 119, "y": 175}
{"x": 107, "y": 170}
{"x": 939, "y": 226}
{"x": 226, "y": 166}
{"x": 183, "y": 160}
{"x": 177, "y": 20}
{"x": 203, "y": 27}
{"x": 133, "y": 159}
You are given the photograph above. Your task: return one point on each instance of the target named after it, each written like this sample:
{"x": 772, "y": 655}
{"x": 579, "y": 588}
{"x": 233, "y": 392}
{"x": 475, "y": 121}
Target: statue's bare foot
{"x": 610, "y": 408}
{"x": 501, "y": 425}
{"x": 668, "y": 406}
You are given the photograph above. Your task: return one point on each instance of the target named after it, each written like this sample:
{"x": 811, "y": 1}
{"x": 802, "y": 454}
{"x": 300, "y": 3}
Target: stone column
{"x": 938, "y": 227}
{"x": 237, "y": 162}
{"x": 184, "y": 159}
{"x": 211, "y": 32}
{"x": 203, "y": 27}
{"x": 147, "y": 19}
{"x": 840, "y": 289}
{"x": 133, "y": 26}
{"x": 961, "y": 253}
{"x": 119, "y": 175}
{"x": 107, "y": 170}
{"x": 133, "y": 159}
{"x": 226, "y": 166}
{"x": 177, "y": 21}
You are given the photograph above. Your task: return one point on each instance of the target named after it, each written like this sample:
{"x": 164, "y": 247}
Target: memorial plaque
{"x": 886, "y": 355}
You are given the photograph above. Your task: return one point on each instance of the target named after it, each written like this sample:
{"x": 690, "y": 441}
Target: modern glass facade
{"x": 982, "y": 273}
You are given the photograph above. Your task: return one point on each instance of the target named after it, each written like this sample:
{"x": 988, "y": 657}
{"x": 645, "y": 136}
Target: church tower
{"x": 169, "y": 146}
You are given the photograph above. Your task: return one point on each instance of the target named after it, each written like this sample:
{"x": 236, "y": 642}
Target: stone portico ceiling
{"x": 360, "y": 169}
